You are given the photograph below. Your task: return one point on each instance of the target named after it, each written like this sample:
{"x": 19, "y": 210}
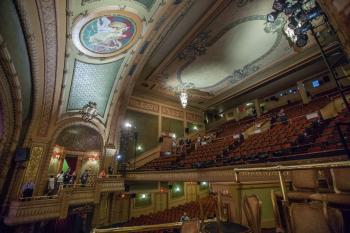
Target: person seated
{"x": 282, "y": 116}
{"x": 184, "y": 217}
{"x": 27, "y": 189}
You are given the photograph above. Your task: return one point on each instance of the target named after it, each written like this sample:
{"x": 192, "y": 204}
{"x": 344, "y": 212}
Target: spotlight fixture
{"x": 279, "y": 5}
{"x": 300, "y": 15}
{"x": 272, "y": 16}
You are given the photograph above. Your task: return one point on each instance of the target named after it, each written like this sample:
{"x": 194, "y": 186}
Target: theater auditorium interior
{"x": 175, "y": 116}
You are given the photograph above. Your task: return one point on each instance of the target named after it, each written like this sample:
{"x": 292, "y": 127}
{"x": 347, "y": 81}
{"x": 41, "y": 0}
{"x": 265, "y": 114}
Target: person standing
{"x": 60, "y": 180}
{"x": 51, "y": 186}
{"x": 84, "y": 178}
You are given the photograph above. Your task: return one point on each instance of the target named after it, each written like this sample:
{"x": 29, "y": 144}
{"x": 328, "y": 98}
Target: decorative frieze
{"x": 166, "y": 111}
{"x": 193, "y": 117}
{"x": 144, "y": 105}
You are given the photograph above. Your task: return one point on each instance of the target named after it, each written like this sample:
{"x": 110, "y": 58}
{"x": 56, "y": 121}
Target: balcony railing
{"x": 40, "y": 208}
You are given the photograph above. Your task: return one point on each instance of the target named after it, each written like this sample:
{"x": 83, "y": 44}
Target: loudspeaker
{"x": 170, "y": 186}
{"x": 126, "y": 187}
{"x": 22, "y": 154}
{"x": 187, "y": 130}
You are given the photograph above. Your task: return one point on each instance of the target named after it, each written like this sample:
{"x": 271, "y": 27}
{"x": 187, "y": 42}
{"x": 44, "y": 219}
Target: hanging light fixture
{"x": 182, "y": 92}
{"x": 89, "y": 111}
{"x": 183, "y": 98}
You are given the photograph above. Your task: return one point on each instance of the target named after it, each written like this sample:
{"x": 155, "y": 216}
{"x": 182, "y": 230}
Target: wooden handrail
{"x": 146, "y": 227}
{"x": 342, "y": 164}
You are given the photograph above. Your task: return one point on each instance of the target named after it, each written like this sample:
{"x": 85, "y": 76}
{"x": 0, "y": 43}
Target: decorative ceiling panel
{"x": 231, "y": 47}
{"x": 147, "y": 3}
{"x": 80, "y": 138}
{"x": 92, "y": 82}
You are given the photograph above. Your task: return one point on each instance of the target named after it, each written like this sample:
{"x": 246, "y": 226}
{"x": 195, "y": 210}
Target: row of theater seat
{"x": 174, "y": 214}
{"x": 296, "y": 136}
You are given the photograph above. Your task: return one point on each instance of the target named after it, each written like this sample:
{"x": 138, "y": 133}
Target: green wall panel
{"x": 191, "y": 126}
{"x": 173, "y": 126}
{"x": 178, "y": 190}
{"x": 147, "y": 128}
{"x": 143, "y": 200}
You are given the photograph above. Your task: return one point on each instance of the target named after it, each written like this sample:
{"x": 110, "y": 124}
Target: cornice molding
{"x": 11, "y": 99}
{"x": 48, "y": 20}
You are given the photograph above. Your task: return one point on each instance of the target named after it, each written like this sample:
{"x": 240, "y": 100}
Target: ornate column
{"x": 302, "y": 92}
{"x": 38, "y": 152}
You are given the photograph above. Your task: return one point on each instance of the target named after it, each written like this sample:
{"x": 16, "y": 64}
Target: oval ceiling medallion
{"x": 106, "y": 33}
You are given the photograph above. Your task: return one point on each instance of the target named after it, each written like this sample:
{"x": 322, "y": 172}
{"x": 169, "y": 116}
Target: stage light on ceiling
{"x": 272, "y": 16}
{"x": 119, "y": 157}
{"x": 279, "y": 5}
{"x": 301, "y": 40}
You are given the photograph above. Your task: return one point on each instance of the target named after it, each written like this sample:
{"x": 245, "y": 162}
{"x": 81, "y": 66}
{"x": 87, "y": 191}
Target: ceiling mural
{"x": 106, "y": 33}
{"x": 93, "y": 82}
{"x": 229, "y": 49}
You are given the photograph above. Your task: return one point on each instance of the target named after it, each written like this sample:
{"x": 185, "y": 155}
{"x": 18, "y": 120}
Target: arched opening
{"x": 77, "y": 149}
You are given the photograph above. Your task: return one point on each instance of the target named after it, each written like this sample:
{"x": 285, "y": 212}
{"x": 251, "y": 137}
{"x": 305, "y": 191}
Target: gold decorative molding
{"x": 248, "y": 173}
{"x": 193, "y": 117}
{"x": 140, "y": 104}
{"x": 36, "y": 154}
{"x": 172, "y": 112}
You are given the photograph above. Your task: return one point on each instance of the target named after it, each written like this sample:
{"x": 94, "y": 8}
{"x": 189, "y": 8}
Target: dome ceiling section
{"x": 231, "y": 48}
{"x": 101, "y": 42}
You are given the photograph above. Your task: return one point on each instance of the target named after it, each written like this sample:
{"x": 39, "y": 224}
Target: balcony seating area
{"x": 166, "y": 162}
{"x": 296, "y": 135}
{"x": 330, "y": 139}
{"x": 174, "y": 214}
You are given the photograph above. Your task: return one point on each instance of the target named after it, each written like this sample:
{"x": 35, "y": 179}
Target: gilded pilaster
{"x": 37, "y": 154}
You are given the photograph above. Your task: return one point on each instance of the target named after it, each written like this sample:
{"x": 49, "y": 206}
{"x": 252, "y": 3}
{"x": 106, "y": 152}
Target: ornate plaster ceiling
{"x": 231, "y": 47}
{"x": 80, "y": 138}
{"x": 101, "y": 41}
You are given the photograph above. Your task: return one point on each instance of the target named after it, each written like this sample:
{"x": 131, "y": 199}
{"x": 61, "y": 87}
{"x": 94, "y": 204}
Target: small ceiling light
{"x": 177, "y": 189}
{"x": 195, "y": 127}
{"x": 119, "y": 157}
{"x": 272, "y": 16}
{"x": 128, "y": 124}
{"x": 143, "y": 196}
{"x": 139, "y": 148}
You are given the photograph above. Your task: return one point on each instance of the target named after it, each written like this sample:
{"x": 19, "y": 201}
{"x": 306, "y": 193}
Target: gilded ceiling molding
{"x": 166, "y": 111}
{"x": 34, "y": 45}
{"x": 11, "y": 101}
{"x": 47, "y": 13}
